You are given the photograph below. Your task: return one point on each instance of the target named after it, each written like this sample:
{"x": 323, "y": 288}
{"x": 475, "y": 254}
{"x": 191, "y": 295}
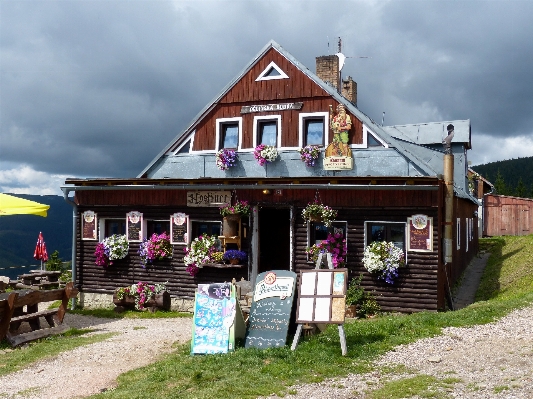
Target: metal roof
{"x": 432, "y": 132}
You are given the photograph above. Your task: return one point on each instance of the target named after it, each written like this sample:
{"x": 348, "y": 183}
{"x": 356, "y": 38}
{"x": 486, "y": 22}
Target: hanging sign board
{"x": 178, "y": 228}
{"x": 217, "y": 319}
{"x": 271, "y": 309}
{"x": 88, "y": 226}
{"x": 322, "y": 296}
{"x": 420, "y": 233}
{"x": 208, "y": 198}
{"x": 134, "y": 223}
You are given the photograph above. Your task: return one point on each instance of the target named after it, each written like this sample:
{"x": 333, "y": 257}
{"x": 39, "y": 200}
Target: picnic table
{"x": 23, "y": 306}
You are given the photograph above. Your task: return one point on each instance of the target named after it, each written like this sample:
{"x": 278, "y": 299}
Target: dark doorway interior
{"x": 274, "y": 239}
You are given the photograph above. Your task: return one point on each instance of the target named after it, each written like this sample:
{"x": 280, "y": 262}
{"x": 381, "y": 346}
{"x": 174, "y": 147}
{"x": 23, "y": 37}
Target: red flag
{"x": 40, "y": 249}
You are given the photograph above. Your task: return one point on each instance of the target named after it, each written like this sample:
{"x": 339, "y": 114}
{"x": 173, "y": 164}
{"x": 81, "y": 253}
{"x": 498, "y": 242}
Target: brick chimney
{"x": 327, "y": 69}
{"x": 349, "y": 90}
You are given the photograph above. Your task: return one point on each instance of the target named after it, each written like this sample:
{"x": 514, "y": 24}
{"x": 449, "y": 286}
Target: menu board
{"x": 178, "y": 228}
{"x": 322, "y": 296}
{"x": 88, "y": 226}
{"x": 134, "y": 222}
{"x": 271, "y": 309}
{"x": 217, "y": 319}
{"x": 420, "y": 233}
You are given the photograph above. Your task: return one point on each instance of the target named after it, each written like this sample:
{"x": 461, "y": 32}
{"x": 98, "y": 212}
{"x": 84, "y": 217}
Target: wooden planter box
{"x": 159, "y": 301}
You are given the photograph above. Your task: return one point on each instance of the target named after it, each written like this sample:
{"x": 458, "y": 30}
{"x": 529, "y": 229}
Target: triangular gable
{"x": 272, "y": 71}
{"x": 377, "y": 130}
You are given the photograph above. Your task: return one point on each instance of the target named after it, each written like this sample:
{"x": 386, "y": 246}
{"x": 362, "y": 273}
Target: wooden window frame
{"x": 220, "y": 122}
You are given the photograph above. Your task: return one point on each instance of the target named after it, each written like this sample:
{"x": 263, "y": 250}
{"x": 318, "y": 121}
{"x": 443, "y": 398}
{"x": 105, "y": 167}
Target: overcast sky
{"x": 98, "y": 88}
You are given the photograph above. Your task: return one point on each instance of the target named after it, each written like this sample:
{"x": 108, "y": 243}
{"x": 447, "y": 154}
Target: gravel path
{"x": 90, "y": 369}
{"x": 491, "y": 361}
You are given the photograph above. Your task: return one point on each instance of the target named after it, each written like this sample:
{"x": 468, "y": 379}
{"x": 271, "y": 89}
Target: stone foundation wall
{"x": 90, "y": 300}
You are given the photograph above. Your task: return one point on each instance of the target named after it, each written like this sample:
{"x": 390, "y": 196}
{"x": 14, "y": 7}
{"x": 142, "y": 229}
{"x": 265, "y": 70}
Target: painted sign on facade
{"x": 247, "y": 109}
{"x": 208, "y": 198}
{"x": 420, "y": 233}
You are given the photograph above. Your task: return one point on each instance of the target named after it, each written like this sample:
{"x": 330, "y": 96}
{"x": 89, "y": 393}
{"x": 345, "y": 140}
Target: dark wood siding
{"x": 297, "y": 88}
{"x": 418, "y": 287}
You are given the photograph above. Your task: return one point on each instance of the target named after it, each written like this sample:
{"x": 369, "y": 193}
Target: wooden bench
{"x": 12, "y": 313}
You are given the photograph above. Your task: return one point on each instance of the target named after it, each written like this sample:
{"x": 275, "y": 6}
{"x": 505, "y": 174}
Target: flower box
{"x": 159, "y": 301}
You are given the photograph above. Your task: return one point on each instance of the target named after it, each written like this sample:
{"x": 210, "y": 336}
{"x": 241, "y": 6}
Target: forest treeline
{"x": 511, "y": 177}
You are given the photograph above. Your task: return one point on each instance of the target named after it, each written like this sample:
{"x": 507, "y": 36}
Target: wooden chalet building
{"x": 395, "y": 173}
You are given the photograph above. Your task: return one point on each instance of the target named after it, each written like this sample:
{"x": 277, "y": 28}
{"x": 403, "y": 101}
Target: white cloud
{"x": 486, "y": 149}
{"x": 25, "y": 180}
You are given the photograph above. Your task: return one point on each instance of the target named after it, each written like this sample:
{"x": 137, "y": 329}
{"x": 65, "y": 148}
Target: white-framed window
{"x": 109, "y": 226}
{"x": 185, "y": 147}
{"x": 318, "y": 232}
{"x": 271, "y": 72}
{"x": 229, "y": 133}
{"x": 458, "y": 231}
{"x": 313, "y": 128}
{"x": 370, "y": 139}
{"x": 267, "y": 130}
{"x": 205, "y": 227}
{"x": 386, "y": 231}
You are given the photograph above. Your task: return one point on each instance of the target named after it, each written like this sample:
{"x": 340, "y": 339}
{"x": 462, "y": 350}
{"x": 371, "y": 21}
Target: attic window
{"x": 271, "y": 72}
{"x": 185, "y": 149}
{"x": 373, "y": 142}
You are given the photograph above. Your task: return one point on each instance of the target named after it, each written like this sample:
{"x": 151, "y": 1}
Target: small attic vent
{"x": 272, "y": 71}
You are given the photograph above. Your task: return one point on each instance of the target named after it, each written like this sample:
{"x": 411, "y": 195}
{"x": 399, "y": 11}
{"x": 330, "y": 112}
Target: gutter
{"x": 190, "y": 187}
{"x": 73, "y": 254}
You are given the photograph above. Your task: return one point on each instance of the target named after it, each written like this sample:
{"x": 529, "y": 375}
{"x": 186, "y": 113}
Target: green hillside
{"x": 18, "y": 233}
{"x": 510, "y": 177}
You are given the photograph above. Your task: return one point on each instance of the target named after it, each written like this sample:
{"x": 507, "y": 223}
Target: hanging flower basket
{"x": 225, "y": 158}
{"x": 309, "y": 154}
{"x": 240, "y": 209}
{"x": 265, "y": 154}
{"x": 383, "y": 259}
{"x": 317, "y": 212}
{"x": 112, "y": 248}
{"x": 158, "y": 247}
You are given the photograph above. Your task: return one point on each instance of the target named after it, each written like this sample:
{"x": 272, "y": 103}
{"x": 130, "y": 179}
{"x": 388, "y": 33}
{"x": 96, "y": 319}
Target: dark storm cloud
{"x": 98, "y": 88}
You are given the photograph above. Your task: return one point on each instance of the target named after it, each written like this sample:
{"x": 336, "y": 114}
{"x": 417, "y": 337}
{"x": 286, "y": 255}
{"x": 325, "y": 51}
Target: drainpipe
{"x": 74, "y": 225}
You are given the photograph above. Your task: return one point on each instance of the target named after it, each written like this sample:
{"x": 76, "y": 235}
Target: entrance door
{"x": 274, "y": 239}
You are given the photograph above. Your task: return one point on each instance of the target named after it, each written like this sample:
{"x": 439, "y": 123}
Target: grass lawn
{"x": 247, "y": 373}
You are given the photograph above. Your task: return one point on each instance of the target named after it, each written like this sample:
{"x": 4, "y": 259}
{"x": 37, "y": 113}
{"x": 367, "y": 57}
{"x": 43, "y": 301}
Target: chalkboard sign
{"x": 88, "y": 226}
{"x": 217, "y": 319}
{"x": 271, "y": 309}
{"x": 134, "y": 222}
{"x": 420, "y": 233}
{"x": 178, "y": 228}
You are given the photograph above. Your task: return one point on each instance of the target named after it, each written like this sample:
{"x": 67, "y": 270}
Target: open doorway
{"x": 274, "y": 239}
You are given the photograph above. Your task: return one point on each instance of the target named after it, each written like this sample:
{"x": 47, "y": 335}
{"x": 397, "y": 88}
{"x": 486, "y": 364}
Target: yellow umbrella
{"x": 10, "y": 205}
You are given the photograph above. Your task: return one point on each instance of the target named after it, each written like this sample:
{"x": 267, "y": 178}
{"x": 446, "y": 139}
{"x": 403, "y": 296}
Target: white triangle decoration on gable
{"x": 272, "y": 71}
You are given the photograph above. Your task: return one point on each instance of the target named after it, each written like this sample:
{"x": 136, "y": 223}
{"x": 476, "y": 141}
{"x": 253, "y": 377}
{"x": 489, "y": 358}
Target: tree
{"x": 521, "y": 189}
{"x": 499, "y": 184}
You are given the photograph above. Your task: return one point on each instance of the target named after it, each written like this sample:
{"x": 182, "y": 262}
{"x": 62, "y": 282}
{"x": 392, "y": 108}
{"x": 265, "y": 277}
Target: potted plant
{"x": 335, "y": 244}
{"x": 265, "y": 154}
{"x": 158, "y": 247}
{"x": 235, "y": 257}
{"x": 309, "y": 154}
{"x": 236, "y": 211}
{"x": 383, "y": 259}
{"x": 199, "y": 253}
{"x": 317, "y": 212}
{"x": 143, "y": 295}
{"x": 225, "y": 158}
{"x": 110, "y": 249}
{"x": 354, "y": 296}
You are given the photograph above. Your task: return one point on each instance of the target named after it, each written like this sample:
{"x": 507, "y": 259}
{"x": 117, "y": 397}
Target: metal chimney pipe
{"x": 448, "y": 208}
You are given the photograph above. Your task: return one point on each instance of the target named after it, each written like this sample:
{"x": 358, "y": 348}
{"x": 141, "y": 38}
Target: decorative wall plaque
{"x": 88, "y": 226}
{"x": 179, "y": 228}
{"x": 420, "y": 233}
{"x": 134, "y": 223}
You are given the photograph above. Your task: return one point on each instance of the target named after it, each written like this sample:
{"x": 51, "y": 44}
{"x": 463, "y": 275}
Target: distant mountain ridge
{"x": 511, "y": 172}
{"x": 18, "y": 234}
